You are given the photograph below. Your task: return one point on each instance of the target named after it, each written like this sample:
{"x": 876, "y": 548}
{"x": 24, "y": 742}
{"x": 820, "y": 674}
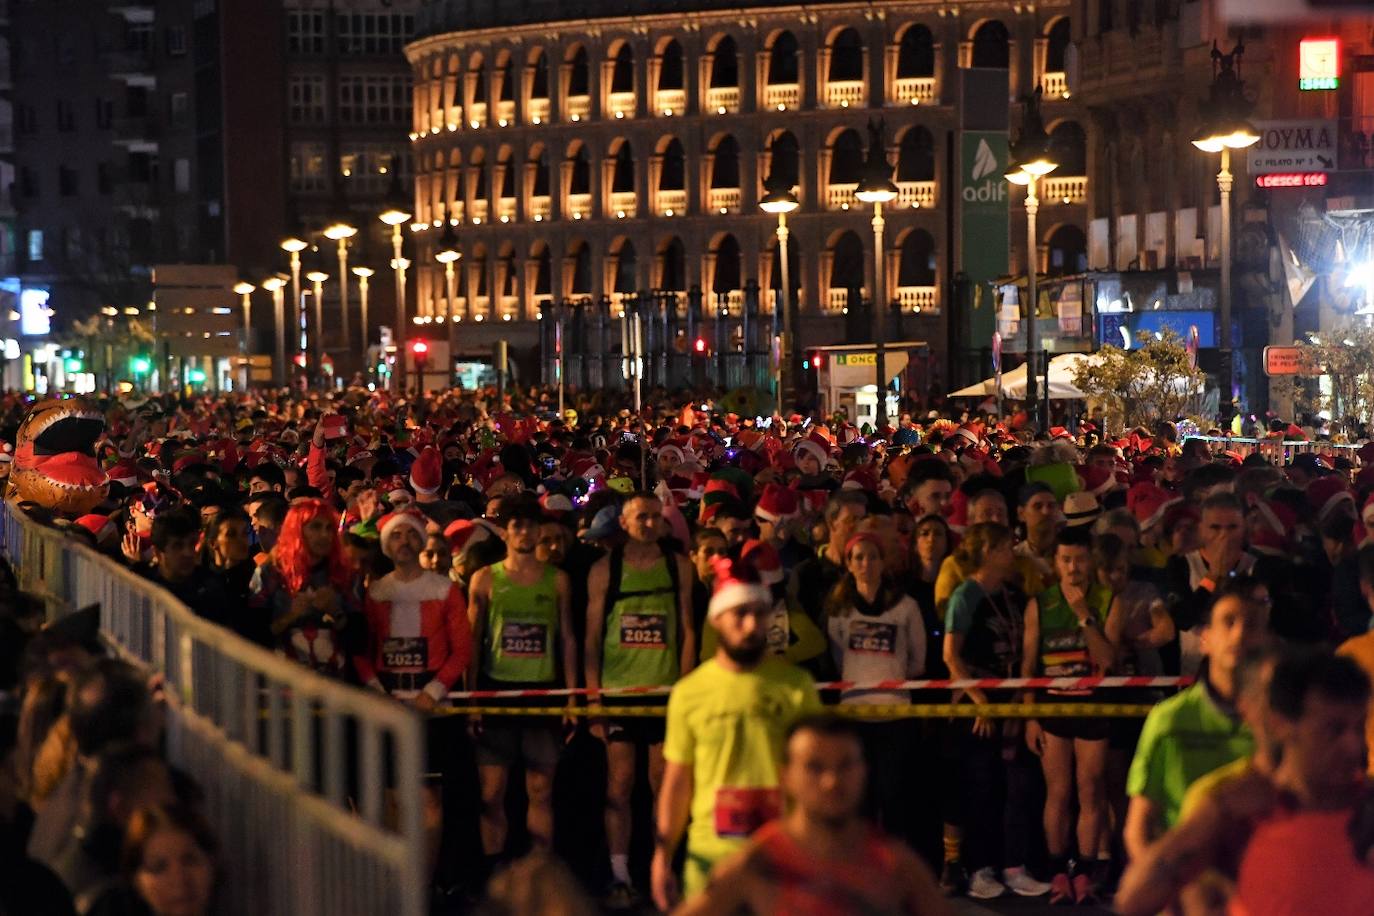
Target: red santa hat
{"x": 764, "y": 557}
{"x": 1326, "y": 493}
{"x": 1097, "y": 480}
{"x": 814, "y": 444}
{"x": 125, "y": 473}
{"x": 1149, "y": 502}
{"x": 426, "y": 474}
{"x": 555, "y": 504}
{"x": 737, "y": 583}
{"x": 463, "y": 534}
{"x": 776, "y": 503}
{"x": 1276, "y": 520}
{"x": 394, "y": 520}
{"x": 358, "y": 453}
{"x": 673, "y": 453}
{"x": 98, "y": 525}
{"x": 860, "y": 479}
{"x": 335, "y": 426}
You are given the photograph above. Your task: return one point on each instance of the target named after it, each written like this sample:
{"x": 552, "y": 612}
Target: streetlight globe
{"x": 1039, "y": 166}
{"x": 876, "y": 192}
{"x": 243, "y": 287}
{"x": 447, "y": 256}
{"x": 317, "y": 276}
{"x": 783, "y": 201}
{"x": 340, "y": 231}
{"x": 1017, "y": 175}
{"x": 294, "y": 245}
{"x": 1241, "y": 136}
{"x": 394, "y": 217}
{"x": 364, "y": 272}
{"x": 272, "y": 284}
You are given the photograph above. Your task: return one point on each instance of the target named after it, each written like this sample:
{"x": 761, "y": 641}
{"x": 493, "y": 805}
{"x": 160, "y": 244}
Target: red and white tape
{"x": 1005, "y": 683}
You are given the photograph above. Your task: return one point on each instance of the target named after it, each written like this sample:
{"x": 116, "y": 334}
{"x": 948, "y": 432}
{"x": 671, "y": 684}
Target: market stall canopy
{"x": 1061, "y": 386}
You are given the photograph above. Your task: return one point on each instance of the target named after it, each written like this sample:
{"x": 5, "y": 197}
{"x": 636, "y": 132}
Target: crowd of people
{"x": 425, "y": 546}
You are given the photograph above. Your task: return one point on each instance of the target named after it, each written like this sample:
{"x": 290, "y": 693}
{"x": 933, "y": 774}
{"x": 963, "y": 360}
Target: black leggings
{"x": 998, "y": 799}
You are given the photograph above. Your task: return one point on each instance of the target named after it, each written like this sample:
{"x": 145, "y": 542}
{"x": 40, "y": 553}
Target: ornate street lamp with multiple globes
{"x": 876, "y": 188}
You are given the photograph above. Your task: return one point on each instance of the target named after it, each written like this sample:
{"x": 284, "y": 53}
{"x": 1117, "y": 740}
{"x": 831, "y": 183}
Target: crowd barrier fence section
{"x": 1280, "y": 451}
{"x": 295, "y": 767}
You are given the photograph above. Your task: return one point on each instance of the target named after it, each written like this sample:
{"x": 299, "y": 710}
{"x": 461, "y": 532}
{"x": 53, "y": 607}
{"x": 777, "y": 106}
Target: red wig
{"x": 290, "y": 556}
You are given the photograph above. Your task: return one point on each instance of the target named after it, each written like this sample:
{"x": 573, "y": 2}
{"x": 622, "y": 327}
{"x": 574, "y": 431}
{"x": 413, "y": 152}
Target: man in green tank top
{"x": 639, "y": 633}
{"x": 1065, "y": 636}
{"x": 522, "y": 627}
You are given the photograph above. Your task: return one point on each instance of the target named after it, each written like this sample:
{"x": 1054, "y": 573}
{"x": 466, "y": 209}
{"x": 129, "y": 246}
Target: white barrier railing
{"x": 281, "y": 752}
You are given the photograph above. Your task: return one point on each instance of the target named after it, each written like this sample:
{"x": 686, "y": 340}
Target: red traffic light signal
{"x": 818, "y": 360}
{"x": 700, "y": 345}
{"x": 419, "y": 347}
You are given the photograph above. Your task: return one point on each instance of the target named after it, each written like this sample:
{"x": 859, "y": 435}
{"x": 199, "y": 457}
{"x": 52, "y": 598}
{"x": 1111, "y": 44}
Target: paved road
{"x": 1021, "y": 906}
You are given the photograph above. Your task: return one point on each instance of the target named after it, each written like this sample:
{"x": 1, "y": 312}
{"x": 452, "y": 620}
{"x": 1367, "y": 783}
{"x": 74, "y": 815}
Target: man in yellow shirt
{"x": 1361, "y": 648}
{"x": 726, "y": 725}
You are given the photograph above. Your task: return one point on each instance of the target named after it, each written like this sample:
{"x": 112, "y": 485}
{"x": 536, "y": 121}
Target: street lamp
{"x": 395, "y": 215}
{"x": 294, "y": 246}
{"x": 778, "y": 198}
{"x": 341, "y": 233}
{"x": 245, "y": 290}
{"x": 447, "y": 255}
{"x": 1223, "y": 129}
{"x": 317, "y": 278}
{"x": 876, "y": 188}
{"x": 1032, "y": 158}
{"x": 363, "y": 274}
{"x": 276, "y": 286}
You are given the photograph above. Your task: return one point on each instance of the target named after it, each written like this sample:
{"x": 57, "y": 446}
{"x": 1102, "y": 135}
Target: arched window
{"x": 623, "y": 71}
{"x": 847, "y": 263}
{"x": 725, "y": 64}
{"x": 846, "y": 158}
{"x": 477, "y": 79}
{"x": 1057, "y": 45}
{"x": 1068, "y": 251}
{"x": 847, "y": 57}
{"x": 623, "y": 172}
{"x": 579, "y": 73}
{"x": 505, "y": 81}
{"x": 507, "y": 173}
{"x": 581, "y": 263}
{"x": 480, "y": 187}
{"x": 1070, "y": 146}
{"x": 992, "y": 46}
{"x": 782, "y": 61}
{"x": 672, "y": 265}
{"x": 785, "y": 159}
{"x": 539, "y": 78}
{"x": 580, "y": 181}
{"x": 917, "y": 264}
{"x": 725, "y": 163}
{"x": 624, "y": 278}
{"x": 916, "y": 156}
{"x": 670, "y": 69}
{"x": 543, "y": 271}
{"x": 728, "y": 265}
{"x": 916, "y": 53}
{"x": 672, "y": 175}
{"x": 539, "y": 187}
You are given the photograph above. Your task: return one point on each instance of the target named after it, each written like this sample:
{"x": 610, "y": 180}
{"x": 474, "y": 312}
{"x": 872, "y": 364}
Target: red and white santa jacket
{"x": 418, "y": 627}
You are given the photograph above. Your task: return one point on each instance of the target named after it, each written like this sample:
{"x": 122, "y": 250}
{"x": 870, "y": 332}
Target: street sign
{"x": 1294, "y": 146}
{"x": 1291, "y": 180}
{"x": 1288, "y": 361}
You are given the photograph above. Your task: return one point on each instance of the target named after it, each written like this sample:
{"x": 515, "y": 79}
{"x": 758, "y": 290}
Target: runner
{"x": 522, "y": 625}
{"x": 726, "y": 722}
{"x": 639, "y": 634}
{"x": 822, "y": 858}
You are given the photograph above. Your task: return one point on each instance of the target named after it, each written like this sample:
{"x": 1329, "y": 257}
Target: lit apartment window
{"x": 305, "y": 95}
{"x": 307, "y": 167}
{"x": 35, "y": 244}
{"x": 305, "y": 32}
{"x": 374, "y": 33}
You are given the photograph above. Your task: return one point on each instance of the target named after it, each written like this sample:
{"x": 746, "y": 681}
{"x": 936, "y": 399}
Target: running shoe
{"x": 1084, "y": 890}
{"x": 1061, "y": 891}
{"x": 985, "y": 886}
{"x": 1021, "y": 883}
{"x": 953, "y": 879}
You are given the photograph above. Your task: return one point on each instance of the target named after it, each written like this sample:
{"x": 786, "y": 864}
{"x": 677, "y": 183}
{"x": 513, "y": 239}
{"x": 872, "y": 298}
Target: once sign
{"x": 1294, "y": 146}
{"x": 1288, "y": 361}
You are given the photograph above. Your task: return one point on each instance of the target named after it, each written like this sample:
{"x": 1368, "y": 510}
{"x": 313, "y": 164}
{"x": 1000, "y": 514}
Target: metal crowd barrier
{"x": 1279, "y": 452}
{"x": 282, "y": 753}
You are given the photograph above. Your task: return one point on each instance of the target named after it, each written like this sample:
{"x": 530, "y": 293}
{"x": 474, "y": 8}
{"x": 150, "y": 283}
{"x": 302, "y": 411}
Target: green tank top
{"x": 640, "y": 645}
{"x": 522, "y": 628}
{"x": 1063, "y": 647}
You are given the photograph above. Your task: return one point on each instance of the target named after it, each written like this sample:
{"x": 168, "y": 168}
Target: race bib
{"x": 643, "y": 631}
{"x": 405, "y": 654}
{"x": 739, "y": 812}
{"x": 524, "y": 640}
{"x": 872, "y": 638}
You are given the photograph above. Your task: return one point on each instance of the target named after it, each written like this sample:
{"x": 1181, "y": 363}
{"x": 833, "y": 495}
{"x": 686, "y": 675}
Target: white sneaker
{"x": 1020, "y": 882}
{"x": 985, "y": 886}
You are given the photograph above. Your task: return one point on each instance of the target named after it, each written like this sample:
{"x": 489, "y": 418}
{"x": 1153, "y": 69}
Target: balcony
{"x": 913, "y": 90}
{"x": 840, "y": 196}
{"x": 722, "y": 99}
{"x": 782, "y": 96}
{"x": 621, "y": 104}
{"x": 669, "y": 102}
{"x": 918, "y": 298}
{"x": 1055, "y": 85}
{"x": 477, "y": 115}
{"x": 537, "y": 110}
{"x": 672, "y": 203}
{"x": 135, "y": 132}
{"x": 623, "y": 204}
{"x": 453, "y": 119}
{"x": 505, "y": 209}
{"x": 480, "y": 308}
{"x": 455, "y": 211}
{"x": 836, "y": 300}
{"x": 915, "y": 194}
{"x": 477, "y": 213}
{"x": 725, "y": 200}
{"x": 129, "y": 66}
{"x": 541, "y": 207}
{"x": 734, "y": 301}
{"x": 844, "y": 94}
{"x": 578, "y": 107}
{"x": 505, "y": 112}
{"x": 510, "y": 308}
{"x": 1064, "y": 189}
{"x": 579, "y": 206}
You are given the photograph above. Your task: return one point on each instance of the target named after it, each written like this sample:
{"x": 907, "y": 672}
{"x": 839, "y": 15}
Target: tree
{"x": 1141, "y": 387}
{"x": 1342, "y": 356}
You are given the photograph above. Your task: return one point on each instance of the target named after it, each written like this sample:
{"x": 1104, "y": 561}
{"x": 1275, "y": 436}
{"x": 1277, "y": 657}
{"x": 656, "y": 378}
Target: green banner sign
{"x": 983, "y": 196}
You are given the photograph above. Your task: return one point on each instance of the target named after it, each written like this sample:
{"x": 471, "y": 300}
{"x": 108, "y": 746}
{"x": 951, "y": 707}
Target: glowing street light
{"x": 780, "y": 200}
{"x": 395, "y": 215}
{"x": 876, "y": 188}
{"x": 245, "y": 290}
{"x": 341, "y": 233}
{"x": 363, "y": 274}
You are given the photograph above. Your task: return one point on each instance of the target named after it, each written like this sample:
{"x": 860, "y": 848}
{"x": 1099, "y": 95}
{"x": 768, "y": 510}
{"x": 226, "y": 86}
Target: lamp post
{"x": 876, "y": 188}
{"x": 780, "y": 200}
{"x": 341, "y": 233}
{"x": 1224, "y": 128}
{"x": 245, "y": 290}
{"x": 1031, "y": 159}
{"x": 317, "y": 278}
{"x": 277, "y": 287}
{"x": 395, "y": 215}
{"x": 363, "y": 274}
{"x": 294, "y": 247}
{"x": 448, "y": 254}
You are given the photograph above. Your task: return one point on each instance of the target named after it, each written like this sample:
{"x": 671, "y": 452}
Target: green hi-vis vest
{"x": 640, "y": 646}
{"x": 522, "y": 628}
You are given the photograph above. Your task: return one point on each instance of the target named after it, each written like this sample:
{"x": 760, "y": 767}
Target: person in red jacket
{"x": 418, "y": 646}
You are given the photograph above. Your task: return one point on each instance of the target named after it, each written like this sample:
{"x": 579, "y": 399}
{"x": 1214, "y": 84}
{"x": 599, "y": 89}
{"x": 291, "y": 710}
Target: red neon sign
{"x": 1291, "y": 180}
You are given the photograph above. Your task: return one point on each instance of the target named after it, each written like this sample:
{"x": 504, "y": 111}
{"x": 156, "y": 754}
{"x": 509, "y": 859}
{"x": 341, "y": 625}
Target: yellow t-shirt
{"x": 728, "y": 726}
{"x": 1208, "y": 784}
{"x": 952, "y": 574}
{"x": 1361, "y": 649}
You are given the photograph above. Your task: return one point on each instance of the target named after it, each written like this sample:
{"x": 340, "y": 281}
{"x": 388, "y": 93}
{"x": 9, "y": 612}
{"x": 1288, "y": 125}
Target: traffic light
{"x": 140, "y": 365}
{"x": 700, "y": 345}
{"x": 195, "y": 376}
{"x": 818, "y": 360}
{"x": 72, "y": 364}
{"x": 419, "y": 351}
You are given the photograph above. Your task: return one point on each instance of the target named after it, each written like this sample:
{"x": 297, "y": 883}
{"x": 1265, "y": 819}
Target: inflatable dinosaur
{"x": 54, "y": 457}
